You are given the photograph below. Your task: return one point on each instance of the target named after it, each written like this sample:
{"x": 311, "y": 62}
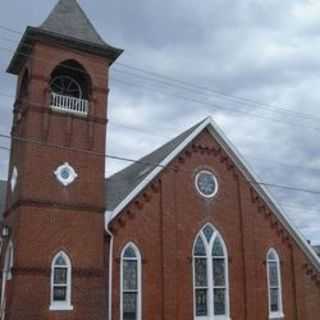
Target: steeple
{"x": 67, "y": 24}
{"x": 68, "y": 20}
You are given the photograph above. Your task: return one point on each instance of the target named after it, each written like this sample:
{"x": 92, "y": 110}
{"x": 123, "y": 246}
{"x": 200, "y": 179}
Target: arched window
{"x": 61, "y": 273}
{"x": 274, "y": 284}
{"x": 210, "y": 280}
{"x": 130, "y": 283}
{"x": 70, "y": 88}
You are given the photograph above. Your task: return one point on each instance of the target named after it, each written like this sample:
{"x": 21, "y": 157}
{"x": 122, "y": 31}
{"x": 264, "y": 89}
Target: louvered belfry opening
{"x": 70, "y": 88}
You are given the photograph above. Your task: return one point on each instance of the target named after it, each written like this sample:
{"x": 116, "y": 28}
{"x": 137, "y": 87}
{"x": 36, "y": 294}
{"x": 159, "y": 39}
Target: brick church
{"x": 186, "y": 233}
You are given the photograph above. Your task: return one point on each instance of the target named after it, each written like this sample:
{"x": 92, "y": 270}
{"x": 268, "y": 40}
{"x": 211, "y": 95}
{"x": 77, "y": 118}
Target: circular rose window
{"x": 206, "y": 183}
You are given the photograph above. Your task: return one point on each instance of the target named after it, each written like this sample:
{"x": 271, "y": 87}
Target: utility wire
{"x": 148, "y": 163}
{"x": 183, "y": 84}
{"x": 190, "y": 86}
{"x": 236, "y": 112}
{"x": 150, "y": 131}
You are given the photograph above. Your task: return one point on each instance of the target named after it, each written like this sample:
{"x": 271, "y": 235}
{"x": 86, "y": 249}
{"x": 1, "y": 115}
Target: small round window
{"x": 206, "y": 183}
{"x": 65, "y": 174}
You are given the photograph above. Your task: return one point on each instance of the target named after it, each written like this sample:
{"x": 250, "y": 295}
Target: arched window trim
{"x": 61, "y": 305}
{"x": 139, "y": 269}
{"x": 273, "y": 314}
{"x": 208, "y": 248}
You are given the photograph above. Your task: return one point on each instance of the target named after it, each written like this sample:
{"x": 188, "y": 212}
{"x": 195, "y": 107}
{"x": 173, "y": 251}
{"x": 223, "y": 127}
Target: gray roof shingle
{"x": 120, "y": 185}
{"x": 68, "y": 25}
{"x": 68, "y": 19}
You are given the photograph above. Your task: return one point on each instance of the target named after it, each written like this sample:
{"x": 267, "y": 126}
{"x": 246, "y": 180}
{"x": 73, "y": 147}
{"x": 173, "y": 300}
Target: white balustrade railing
{"x": 69, "y": 104}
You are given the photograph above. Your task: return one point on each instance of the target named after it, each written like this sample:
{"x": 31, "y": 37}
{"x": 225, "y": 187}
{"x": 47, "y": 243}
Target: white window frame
{"x": 196, "y": 181}
{"x": 211, "y": 286}
{"x": 139, "y": 270}
{"x": 61, "y": 305}
{"x": 272, "y": 314}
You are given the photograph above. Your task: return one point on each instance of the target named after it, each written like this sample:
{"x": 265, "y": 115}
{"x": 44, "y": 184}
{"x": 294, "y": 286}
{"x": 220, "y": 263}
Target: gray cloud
{"x": 267, "y": 51}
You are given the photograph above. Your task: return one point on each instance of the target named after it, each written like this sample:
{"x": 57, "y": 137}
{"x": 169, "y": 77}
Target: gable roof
{"x": 68, "y": 25}
{"x": 122, "y": 183}
{"x": 239, "y": 161}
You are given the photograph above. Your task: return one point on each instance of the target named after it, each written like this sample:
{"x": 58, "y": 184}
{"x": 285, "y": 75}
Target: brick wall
{"x": 165, "y": 227}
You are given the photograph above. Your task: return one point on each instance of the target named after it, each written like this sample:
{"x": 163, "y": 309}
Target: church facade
{"x": 187, "y": 232}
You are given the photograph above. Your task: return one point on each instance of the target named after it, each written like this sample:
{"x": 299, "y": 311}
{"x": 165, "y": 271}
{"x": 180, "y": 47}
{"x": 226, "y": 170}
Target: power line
{"x": 152, "y": 164}
{"x": 306, "y": 116}
{"x": 150, "y": 131}
{"x": 235, "y": 112}
{"x": 195, "y": 88}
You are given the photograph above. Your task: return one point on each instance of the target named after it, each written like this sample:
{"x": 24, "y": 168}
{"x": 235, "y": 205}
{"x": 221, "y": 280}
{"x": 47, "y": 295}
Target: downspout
{"x": 108, "y": 216}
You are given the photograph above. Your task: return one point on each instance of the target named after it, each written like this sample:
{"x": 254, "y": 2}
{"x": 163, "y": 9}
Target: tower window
{"x": 70, "y": 89}
{"x": 66, "y": 86}
{"x": 61, "y": 283}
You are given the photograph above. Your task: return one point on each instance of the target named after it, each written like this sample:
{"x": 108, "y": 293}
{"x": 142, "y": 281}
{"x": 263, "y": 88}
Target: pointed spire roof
{"x": 69, "y": 20}
{"x": 68, "y": 25}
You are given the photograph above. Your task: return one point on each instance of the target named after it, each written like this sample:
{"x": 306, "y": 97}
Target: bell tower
{"x": 56, "y": 190}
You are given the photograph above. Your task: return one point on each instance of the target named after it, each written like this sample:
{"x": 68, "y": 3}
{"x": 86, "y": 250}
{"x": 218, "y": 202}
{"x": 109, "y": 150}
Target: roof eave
{"x": 33, "y": 34}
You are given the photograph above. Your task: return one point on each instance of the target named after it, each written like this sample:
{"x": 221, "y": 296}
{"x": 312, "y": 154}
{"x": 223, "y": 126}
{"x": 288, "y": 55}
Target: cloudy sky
{"x": 253, "y": 65}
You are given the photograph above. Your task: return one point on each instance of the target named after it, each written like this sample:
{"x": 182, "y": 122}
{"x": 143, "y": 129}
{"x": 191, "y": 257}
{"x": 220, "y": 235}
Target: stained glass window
{"x": 130, "y": 275}
{"x": 201, "y": 272}
{"x": 210, "y": 274}
{"x": 199, "y": 249}
{"x": 217, "y": 250}
{"x": 274, "y": 282}
{"x": 219, "y": 272}
{"x": 130, "y": 253}
{"x": 208, "y": 232}
{"x": 61, "y": 274}
{"x": 219, "y": 302}
{"x": 201, "y": 302}
{"x": 130, "y": 283}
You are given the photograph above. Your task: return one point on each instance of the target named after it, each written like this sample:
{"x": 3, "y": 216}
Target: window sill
{"x": 276, "y": 315}
{"x": 61, "y": 307}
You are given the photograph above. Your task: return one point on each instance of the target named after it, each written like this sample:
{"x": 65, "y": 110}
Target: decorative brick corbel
{"x": 188, "y": 153}
{"x": 223, "y": 158}
{"x": 216, "y": 152}
{"x": 254, "y": 196}
{"x": 155, "y": 187}
{"x": 139, "y": 204}
{"x": 131, "y": 214}
{"x": 146, "y": 197}
{"x": 181, "y": 159}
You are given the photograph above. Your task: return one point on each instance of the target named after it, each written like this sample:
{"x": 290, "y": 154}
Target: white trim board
{"x": 244, "y": 168}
